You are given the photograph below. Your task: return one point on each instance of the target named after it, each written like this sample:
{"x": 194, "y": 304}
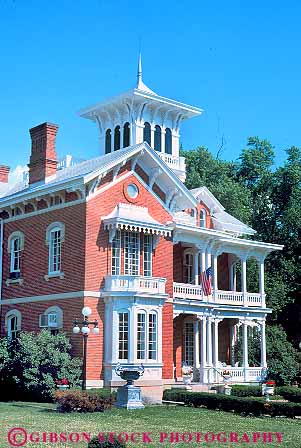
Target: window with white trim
{"x": 141, "y": 327}
{"x": 152, "y": 336}
{"x": 188, "y": 343}
{"x": 147, "y": 336}
{"x": 55, "y": 251}
{"x": 131, "y": 244}
{"x": 13, "y": 323}
{"x": 123, "y": 345}
{"x": 15, "y": 254}
{"x": 188, "y": 267}
{"x": 147, "y": 255}
{"x": 116, "y": 253}
{"x": 52, "y": 318}
{"x": 15, "y": 246}
{"x": 202, "y": 218}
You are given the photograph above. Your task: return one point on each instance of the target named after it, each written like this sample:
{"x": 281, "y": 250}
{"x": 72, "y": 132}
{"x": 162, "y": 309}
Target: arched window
{"x": 117, "y": 138}
{"x": 52, "y": 318}
{"x": 126, "y": 135}
{"x": 108, "y": 141}
{"x": 123, "y": 328}
{"x": 147, "y": 133}
{"x": 168, "y": 147}
{"x": 157, "y": 145}
{"x": 152, "y": 335}
{"x": 188, "y": 267}
{"x": 202, "y": 218}
{"x": 141, "y": 334}
{"x": 15, "y": 247}
{"x": 13, "y": 323}
{"x": 54, "y": 237}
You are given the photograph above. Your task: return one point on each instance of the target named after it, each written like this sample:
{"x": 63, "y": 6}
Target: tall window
{"x": 123, "y": 335}
{"x": 117, "y": 138}
{"x": 116, "y": 252}
{"x": 108, "y": 144}
{"x": 15, "y": 254}
{"x": 168, "y": 147}
{"x": 141, "y": 327}
{"x": 188, "y": 343}
{"x": 152, "y": 336}
{"x": 13, "y": 323}
{"x": 131, "y": 253}
{"x": 157, "y": 145}
{"x": 126, "y": 135}
{"x": 147, "y": 133}
{"x": 55, "y": 250}
{"x": 147, "y": 255}
{"x": 15, "y": 246}
{"x": 202, "y": 218}
{"x": 188, "y": 268}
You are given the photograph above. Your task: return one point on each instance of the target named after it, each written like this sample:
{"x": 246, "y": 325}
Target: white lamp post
{"x": 85, "y": 331}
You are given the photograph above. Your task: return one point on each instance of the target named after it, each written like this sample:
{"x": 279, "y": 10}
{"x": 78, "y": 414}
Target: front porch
{"x": 207, "y": 342}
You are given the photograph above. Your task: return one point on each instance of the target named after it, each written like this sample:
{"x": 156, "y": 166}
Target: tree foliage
{"x": 30, "y": 365}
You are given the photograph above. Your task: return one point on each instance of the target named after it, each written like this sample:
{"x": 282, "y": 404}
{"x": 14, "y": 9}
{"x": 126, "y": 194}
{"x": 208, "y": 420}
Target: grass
{"x": 41, "y": 417}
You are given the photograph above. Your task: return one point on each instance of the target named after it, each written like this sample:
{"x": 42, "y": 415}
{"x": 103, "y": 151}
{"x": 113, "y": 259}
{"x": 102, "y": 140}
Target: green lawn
{"x": 37, "y": 417}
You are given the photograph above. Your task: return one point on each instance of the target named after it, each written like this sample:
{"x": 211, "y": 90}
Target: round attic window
{"x": 132, "y": 191}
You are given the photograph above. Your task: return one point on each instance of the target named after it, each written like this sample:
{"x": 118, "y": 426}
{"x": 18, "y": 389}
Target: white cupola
{"x": 140, "y": 115}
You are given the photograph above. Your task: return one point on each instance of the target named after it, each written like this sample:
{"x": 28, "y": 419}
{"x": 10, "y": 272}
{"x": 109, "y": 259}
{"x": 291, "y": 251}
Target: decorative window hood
{"x": 133, "y": 218}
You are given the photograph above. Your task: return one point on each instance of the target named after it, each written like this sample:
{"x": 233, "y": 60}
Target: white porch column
{"x": 244, "y": 279}
{"x": 261, "y": 281}
{"x": 204, "y": 377}
{"x": 152, "y": 136}
{"x": 163, "y": 140}
{"x": 196, "y": 348}
{"x": 232, "y": 342}
{"x": 245, "y": 349}
{"x": 196, "y": 267}
{"x": 209, "y": 348}
{"x": 203, "y": 261}
{"x": 214, "y": 277}
{"x": 215, "y": 359}
{"x": 263, "y": 345}
{"x": 208, "y": 260}
{"x": 233, "y": 276}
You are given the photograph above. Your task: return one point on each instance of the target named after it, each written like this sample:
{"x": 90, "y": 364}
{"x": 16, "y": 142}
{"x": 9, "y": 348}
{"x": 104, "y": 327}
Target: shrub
{"x": 282, "y": 357}
{"x": 34, "y": 362}
{"x": 108, "y": 443}
{"x": 103, "y": 392}
{"x": 290, "y": 393}
{"x": 78, "y": 401}
{"x": 246, "y": 391}
{"x": 246, "y": 405}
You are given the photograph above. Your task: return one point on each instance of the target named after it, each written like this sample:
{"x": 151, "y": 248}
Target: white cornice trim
{"x": 48, "y": 297}
{"x": 45, "y": 210}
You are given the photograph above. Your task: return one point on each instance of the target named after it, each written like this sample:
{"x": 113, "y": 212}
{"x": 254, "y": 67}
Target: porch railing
{"x": 242, "y": 374}
{"x": 135, "y": 283}
{"x": 195, "y": 292}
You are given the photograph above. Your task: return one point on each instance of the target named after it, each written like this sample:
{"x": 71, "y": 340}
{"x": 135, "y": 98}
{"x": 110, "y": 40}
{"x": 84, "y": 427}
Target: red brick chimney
{"x": 4, "y": 172}
{"x": 43, "y": 161}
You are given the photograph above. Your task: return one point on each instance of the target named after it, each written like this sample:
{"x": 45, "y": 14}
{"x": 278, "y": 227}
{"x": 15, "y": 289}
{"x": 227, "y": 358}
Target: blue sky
{"x": 239, "y": 61}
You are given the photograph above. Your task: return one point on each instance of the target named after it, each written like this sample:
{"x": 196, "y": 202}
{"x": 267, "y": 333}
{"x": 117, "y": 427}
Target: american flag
{"x": 206, "y": 278}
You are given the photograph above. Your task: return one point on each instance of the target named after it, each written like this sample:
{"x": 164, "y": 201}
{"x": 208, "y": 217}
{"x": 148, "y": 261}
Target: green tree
{"x": 35, "y": 362}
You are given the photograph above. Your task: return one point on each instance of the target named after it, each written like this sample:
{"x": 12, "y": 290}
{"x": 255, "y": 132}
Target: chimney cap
{"x": 47, "y": 124}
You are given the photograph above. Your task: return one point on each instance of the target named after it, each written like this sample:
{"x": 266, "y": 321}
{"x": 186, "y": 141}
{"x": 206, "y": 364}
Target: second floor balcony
{"x": 195, "y": 292}
{"x": 134, "y": 285}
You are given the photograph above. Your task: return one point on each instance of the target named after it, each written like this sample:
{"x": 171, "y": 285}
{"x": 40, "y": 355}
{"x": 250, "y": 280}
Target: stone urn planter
{"x": 129, "y": 396}
{"x": 187, "y": 379}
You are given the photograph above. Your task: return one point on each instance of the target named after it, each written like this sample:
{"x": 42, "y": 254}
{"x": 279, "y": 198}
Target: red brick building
{"x": 123, "y": 235}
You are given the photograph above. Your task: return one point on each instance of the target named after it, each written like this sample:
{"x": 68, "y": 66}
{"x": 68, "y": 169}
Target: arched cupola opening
{"x": 168, "y": 145}
{"x": 117, "y": 138}
{"x": 157, "y": 145}
{"x": 108, "y": 144}
{"x": 126, "y": 135}
{"x": 147, "y": 133}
